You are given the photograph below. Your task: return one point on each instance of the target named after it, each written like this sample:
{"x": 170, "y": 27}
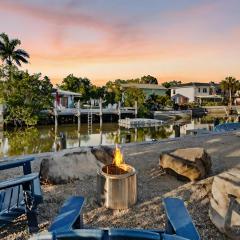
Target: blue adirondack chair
{"x": 20, "y": 195}
{"x": 68, "y": 224}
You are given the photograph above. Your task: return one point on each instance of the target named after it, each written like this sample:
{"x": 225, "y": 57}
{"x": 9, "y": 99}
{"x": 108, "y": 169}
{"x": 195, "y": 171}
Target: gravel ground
{"x": 153, "y": 186}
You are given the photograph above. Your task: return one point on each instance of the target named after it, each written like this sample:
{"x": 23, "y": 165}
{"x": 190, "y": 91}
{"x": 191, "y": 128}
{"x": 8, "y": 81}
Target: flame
{"x": 118, "y": 157}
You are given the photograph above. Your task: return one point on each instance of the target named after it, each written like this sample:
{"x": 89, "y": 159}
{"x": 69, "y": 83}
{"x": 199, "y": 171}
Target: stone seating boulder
{"x": 103, "y": 154}
{"x": 188, "y": 163}
{"x": 71, "y": 164}
{"x": 224, "y": 208}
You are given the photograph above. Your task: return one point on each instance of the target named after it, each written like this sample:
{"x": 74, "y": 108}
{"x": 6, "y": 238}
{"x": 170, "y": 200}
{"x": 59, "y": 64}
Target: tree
{"x": 156, "y": 102}
{"x": 135, "y": 94}
{"x": 78, "y": 85}
{"x": 230, "y": 86}
{"x": 8, "y": 52}
{"x": 24, "y": 96}
{"x": 113, "y": 92}
{"x": 148, "y": 80}
{"x": 171, "y": 83}
{"x": 97, "y": 92}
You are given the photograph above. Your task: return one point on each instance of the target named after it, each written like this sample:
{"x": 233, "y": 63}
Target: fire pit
{"x": 117, "y": 184}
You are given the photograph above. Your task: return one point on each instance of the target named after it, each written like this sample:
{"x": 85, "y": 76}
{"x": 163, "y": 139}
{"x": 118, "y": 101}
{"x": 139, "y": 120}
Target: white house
{"x": 195, "y": 92}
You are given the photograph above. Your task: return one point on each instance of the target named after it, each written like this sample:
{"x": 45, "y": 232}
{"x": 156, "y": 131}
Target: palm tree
{"x": 230, "y": 85}
{"x": 8, "y": 52}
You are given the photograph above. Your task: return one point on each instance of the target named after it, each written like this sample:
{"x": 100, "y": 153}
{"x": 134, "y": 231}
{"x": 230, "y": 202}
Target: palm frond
{"x": 22, "y": 53}
{"x": 18, "y": 62}
{"x": 2, "y": 46}
{"x": 4, "y": 37}
{"x": 8, "y": 62}
{"x": 13, "y": 43}
{"x": 20, "y": 58}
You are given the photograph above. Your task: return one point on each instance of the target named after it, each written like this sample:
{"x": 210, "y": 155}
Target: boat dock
{"x": 168, "y": 115}
{"x": 139, "y": 122}
{"x": 95, "y": 111}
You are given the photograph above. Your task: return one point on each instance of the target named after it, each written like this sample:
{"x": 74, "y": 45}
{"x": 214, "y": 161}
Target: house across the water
{"x": 64, "y": 99}
{"x": 196, "y": 92}
{"x": 148, "y": 89}
{"x": 237, "y": 98}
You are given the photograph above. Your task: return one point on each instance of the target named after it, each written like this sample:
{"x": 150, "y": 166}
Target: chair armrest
{"x": 8, "y": 164}
{"x": 18, "y": 181}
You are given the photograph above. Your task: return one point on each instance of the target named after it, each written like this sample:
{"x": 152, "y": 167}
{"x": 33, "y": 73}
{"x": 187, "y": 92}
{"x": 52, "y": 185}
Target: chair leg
{"x": 30, "y": 208}
{"x": 169, "y": 228}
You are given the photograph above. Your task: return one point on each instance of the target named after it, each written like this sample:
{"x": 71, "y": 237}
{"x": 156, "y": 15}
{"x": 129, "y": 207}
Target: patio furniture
{"x": 20, "y": 195}
{"x": 179, "y": 227}
{"x": 225, "y": 127}
{"x": 179, "y": 221}
{"x": 69, "y": 216}
{"x": 105, "y": 234}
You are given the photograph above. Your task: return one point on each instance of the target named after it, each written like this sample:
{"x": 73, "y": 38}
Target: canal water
{"x": 43, "y": 138}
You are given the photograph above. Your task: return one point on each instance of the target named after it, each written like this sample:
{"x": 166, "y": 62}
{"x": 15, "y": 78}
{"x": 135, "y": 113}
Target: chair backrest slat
{"x": 15, "y": 197}
{"x": 6, "y": 199}
{"x": 2, "y": 196}
{"x": 10, "y": 200}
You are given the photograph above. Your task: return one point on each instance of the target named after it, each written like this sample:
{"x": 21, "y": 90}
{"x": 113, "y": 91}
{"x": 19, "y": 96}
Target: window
{"x": 174, "y": 91}
{"x": 204, "y": 90}
{"x": 199, "y": 90}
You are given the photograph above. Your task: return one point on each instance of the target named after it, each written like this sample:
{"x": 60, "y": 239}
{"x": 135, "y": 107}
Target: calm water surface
{"x": 44, "y": 139}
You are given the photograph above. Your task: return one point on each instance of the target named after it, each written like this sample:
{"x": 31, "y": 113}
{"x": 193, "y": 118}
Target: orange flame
{"x": 118, "y": 157}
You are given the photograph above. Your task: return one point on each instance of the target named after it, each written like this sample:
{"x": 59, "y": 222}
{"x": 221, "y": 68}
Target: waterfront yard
{"x": 153, "y": 186}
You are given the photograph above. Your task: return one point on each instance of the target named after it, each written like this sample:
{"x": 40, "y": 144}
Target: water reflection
{"x": 44, "y": 139}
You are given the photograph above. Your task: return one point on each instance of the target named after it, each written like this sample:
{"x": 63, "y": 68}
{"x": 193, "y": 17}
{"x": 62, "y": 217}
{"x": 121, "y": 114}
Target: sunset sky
{"x": 187, "y": 40}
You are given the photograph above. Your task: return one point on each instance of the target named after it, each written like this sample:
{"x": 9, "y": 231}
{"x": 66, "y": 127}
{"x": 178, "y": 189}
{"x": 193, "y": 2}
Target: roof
{"x": 195, "y": 84}
{"x": 143, "y": 86}
{"x": 68, "y": 93}
{"x": 179, "y": 95}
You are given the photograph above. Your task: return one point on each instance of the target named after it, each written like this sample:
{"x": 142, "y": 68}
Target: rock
{"x": 103, "y": 154}
{"x": 224, "y": 208}
{"x": 190, "y": 163}
{"x": 68, "y": 165}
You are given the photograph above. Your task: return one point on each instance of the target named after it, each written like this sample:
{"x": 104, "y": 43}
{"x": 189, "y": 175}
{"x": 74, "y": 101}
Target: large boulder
{"x": 224, "y": 208}
{"x": 103, "y": 154}
{"x": 72, "y": 164}
{"x": 188, "y": 163}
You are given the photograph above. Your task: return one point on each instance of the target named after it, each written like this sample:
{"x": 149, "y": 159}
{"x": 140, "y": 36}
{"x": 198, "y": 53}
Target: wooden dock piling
{"x": 100, "y": 112}
{"x": 79, "y": 115}
{"x": 119, "y": 110}
{"x": 1, "y": 118}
